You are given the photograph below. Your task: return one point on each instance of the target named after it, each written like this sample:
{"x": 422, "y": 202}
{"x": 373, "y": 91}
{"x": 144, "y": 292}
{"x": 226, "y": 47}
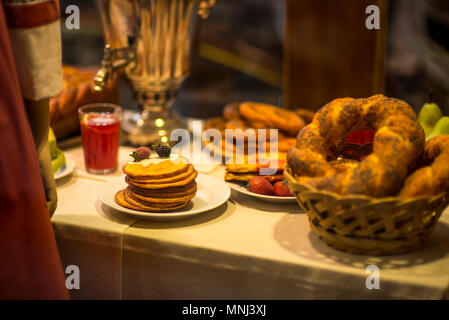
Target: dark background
{"x": 253, "y": 31}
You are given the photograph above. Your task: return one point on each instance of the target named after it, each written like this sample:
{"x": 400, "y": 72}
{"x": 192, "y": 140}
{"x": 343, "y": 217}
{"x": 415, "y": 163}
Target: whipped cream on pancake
{"x": 176, "y": 159}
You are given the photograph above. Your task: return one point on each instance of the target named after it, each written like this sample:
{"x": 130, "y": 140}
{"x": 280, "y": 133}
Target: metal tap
{"x": 113, "y": 60}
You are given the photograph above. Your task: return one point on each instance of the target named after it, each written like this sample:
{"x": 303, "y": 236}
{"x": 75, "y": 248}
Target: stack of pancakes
{"x": 158, "y": 184}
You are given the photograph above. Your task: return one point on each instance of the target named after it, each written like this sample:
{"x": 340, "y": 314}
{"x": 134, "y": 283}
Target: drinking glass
{"x": 100, "y": 133}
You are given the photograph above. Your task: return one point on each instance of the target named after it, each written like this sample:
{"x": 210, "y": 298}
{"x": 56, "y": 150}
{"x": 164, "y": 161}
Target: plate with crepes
{"x": 210, "y": 194}
{"x": 248, "y": 178}
{"x": 241, "y": 188}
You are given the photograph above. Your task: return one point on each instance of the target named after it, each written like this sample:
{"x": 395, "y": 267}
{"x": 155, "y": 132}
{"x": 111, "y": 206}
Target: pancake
{"x": 180, "y": 177}
{"x": 154, "y": 206}
{"x": 130, "y": 199}
{"x": 121, "y": 200}
{"x": 255, "y": 167}
{"x": 162, "y": 201}
{"x": 245, "y": 177}
{"x": 166, "y": 192}
{"x": 181, "y": 183}
{"x": 156, "y": 168}
{"x": 151, "y": 206}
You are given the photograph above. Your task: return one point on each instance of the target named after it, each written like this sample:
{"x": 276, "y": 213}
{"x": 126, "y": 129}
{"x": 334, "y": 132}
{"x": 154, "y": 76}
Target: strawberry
{"x": 281, "y": 189}
{"x": 260, "y": 185}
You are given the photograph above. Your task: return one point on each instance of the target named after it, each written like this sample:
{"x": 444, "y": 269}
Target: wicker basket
{"x": 365, "y": 225}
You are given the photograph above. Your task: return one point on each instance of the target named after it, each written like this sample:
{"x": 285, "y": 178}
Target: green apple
{"x": 442, "y": 127}
{"x": 428, "y": 117}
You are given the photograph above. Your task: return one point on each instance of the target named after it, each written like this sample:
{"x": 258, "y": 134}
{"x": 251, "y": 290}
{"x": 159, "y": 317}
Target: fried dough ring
{"x": 231, "y": 111}
{"x": 433, "y": 178}
{"x": 398, "y": 144}
{"x": 273, "y": 117}
{"x": 236, "y": 124}
{"x": 344, "y": 164}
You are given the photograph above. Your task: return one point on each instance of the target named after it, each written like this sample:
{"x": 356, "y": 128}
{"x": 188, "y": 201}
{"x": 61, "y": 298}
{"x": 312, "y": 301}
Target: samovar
{"x": 151, "y": 40}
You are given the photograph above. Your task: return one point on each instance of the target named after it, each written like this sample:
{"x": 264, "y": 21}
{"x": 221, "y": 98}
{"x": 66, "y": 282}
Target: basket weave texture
{"x": 365, "y": 225}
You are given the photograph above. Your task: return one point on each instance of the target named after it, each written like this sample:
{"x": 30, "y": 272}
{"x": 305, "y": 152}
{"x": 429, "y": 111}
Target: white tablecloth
{"x": 245, "y": 249}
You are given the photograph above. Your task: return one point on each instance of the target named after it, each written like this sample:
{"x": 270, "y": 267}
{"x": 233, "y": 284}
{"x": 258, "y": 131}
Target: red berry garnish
{"x": 140, "y": 154}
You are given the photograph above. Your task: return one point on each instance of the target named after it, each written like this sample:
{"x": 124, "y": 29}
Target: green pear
{"x": 428, "y": 117}
{"x": 59, "y": 161}
{"x": 442, "y": 127}
{"x": 52, "y": 144}
{"x": 57, "y": 156}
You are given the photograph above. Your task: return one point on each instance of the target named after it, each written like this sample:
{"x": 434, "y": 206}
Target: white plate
{"x": 211, "y": 193}
{"x": 273, "y": 199}
{"x": 66, "y": 169}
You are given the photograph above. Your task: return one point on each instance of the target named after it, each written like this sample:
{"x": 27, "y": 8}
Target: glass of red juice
{"x": 100, "y": 133}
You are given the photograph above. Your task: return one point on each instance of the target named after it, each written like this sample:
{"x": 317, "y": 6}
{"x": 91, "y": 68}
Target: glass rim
{"x": 116, "y": 108}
